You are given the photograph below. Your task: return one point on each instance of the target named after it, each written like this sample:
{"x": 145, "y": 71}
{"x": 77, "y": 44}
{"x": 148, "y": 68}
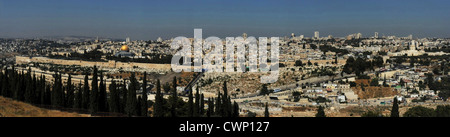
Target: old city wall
{"x": 109, "y": 64}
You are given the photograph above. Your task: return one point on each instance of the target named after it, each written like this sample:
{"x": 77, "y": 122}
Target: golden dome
{"x": 124, "y": 48}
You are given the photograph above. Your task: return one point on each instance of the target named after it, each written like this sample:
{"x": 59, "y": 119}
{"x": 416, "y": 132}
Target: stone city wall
{"x": 109, "y": 64}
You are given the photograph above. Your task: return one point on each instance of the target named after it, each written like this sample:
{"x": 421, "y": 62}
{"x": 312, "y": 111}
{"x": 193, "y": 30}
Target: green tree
{"x": 196, "y": 107}
{"x": 402, "y": 83}
{"x": 235, "y": 109}
{"x": 158, "y": 105}
{"x": 114, "y": 98}
{"x": 266, "y": 111}
{"x": 218, "y": 107}
{"x": 78, "y": 97}
{"x": 374, "y": 82}
{"x": 131, "y": 105}
{"x": 93, "y": 105}
{"x": 174, "y": 99}
{"x": 58, "y": 92}
{"x": 372, "y": 114}
{"x": 86, "y": 93}
{"x": 102, "y": 99}
{"x": 28, "y": 95}
{"x": 394, "y": 111}
{"x": 144, "y": 102}
{"x": 124, "y": 94}
{"x": 298, "y": 63}
{"x": 419, "y": 111}
{"x": 264, "y": 90}
{"x": 138, "y": 106}
{"x": 362, "y": 87}
{"x": 190, "y": 104}
{"x": 166, "y": 88}
{"x": 202, "y": 104}
{"x": 70, "y": 92}
{"x": 442, "y": 111}
{"x": 225, "y": 103}
{"x": 320, "y": 112}
{"x": 210, "y": 110}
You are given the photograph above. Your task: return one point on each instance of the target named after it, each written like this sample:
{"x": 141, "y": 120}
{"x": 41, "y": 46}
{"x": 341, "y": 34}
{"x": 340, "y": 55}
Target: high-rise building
{"x": 316, "y": 34}
{"x": 376, "y": 35}
{"x": 127, "y": 40}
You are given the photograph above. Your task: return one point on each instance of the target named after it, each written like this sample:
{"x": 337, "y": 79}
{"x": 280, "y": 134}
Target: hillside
{"x": 12, "y": 108}
{"x": 372, "y": 91}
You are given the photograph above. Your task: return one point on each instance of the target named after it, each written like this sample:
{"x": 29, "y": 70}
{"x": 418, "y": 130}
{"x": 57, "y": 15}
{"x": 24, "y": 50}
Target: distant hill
{"x": 77, "y": 38}
{"x": 12, "y": 108}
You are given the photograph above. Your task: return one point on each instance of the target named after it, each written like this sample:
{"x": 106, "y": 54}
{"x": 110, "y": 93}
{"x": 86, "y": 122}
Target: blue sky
{"x": 148, "y": 19}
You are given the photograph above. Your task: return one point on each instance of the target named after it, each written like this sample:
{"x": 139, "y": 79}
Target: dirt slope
{"x": 12, "y": 108}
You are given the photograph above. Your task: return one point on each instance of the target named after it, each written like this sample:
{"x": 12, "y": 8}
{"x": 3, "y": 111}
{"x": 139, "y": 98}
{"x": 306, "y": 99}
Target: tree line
{"x": 174, "y": 106}
{"x": 121, "y": 99}
{"x": 360, "y": 65}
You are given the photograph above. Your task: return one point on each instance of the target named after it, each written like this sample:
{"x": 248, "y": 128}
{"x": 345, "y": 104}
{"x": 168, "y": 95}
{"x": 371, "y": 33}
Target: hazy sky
{"x": 148, "y": 19}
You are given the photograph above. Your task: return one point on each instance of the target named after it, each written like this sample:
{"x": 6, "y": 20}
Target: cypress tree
{"x": 202, "y": 104}
{"x": 78, "y": 97}
{"x": 85, "y": 100}
{"x": 43, "y": 90}
{"x": 384, "y": 81}
{"x": 93, "y": 105}
{"x": 55, "y": 91}
{"x": 138, "y": 106}
{"x": 124, "y": 97}
{"x": 229, "y": 107}
{"x": 191, "y": 108}
{"x": 209, "y": 111}
{"x": 1, "y": 82}
{"x": 174, "y": 99}
{"x": 62, "y": 93}
{"x": 225, "y": 107}
{"x": 131, "y": 105}
{"x": 28, "y": 87}
{"x": 19, "y": 92}
{"x": 114, "y": 100}
{"x": 196, "y": 104}
{"x": 157, "y": 107}
{"x": 36, "y": 90}
{"x": 70, "y": 93}
{"x": 102, "y": 100}
{"x": 266, "y": 111}
{"x": 320, "y": 112}
{"x": 235, "y": 109}
{"x": 144, "y": 102}
{"x": 218, "y": 106}
{"x": 394, "y": 111}
{"x": 211, "y": 105}
{"x": 5, "y": 84}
